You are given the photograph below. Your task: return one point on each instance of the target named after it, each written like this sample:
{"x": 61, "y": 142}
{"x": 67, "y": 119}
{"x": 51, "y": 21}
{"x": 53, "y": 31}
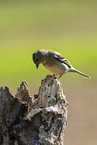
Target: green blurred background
{"x": 66, "y": 26}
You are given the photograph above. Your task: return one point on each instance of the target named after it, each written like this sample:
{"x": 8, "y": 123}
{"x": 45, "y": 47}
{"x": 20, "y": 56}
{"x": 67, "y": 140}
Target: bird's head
{"x": 38, "y": 56}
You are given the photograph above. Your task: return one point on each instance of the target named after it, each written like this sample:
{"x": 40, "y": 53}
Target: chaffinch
{"x": 55, "y": 62}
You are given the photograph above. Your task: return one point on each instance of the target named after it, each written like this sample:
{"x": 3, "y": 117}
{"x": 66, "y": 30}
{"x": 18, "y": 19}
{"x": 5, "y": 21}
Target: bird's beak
{"x": 37, "y": 64}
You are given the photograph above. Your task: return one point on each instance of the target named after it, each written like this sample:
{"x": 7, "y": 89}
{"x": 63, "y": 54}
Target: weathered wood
{"x": 38, "y": 120}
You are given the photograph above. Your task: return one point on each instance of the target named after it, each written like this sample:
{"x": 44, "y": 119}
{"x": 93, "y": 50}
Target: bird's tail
{"x": 80, "y": 73}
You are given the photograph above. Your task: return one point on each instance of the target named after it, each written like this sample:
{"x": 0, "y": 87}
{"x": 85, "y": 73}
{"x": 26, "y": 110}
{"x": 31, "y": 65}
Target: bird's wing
{"x": 62, "y": 59}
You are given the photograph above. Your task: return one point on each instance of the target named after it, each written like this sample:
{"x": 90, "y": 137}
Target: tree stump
{"x": 38, "y": 120}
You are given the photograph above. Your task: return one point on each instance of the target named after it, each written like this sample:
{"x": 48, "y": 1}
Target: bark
{"x": 38, "y": 120}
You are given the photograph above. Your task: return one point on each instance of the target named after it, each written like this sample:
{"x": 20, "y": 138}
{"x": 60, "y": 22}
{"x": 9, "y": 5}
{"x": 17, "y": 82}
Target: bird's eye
{"x": 37, "y": 59}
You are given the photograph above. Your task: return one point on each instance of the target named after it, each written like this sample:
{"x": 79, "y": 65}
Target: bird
{"x": 54, "y": 62}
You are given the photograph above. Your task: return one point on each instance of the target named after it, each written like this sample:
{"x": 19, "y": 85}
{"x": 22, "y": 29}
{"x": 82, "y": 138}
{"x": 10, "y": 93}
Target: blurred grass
{"x": 69, "y": 27}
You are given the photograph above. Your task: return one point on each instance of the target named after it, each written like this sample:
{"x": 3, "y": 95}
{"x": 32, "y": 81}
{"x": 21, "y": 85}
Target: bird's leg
{"x": 60, "y": 76}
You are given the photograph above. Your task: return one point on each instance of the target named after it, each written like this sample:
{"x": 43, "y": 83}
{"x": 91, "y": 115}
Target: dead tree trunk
{"x": 38, "y": 120}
